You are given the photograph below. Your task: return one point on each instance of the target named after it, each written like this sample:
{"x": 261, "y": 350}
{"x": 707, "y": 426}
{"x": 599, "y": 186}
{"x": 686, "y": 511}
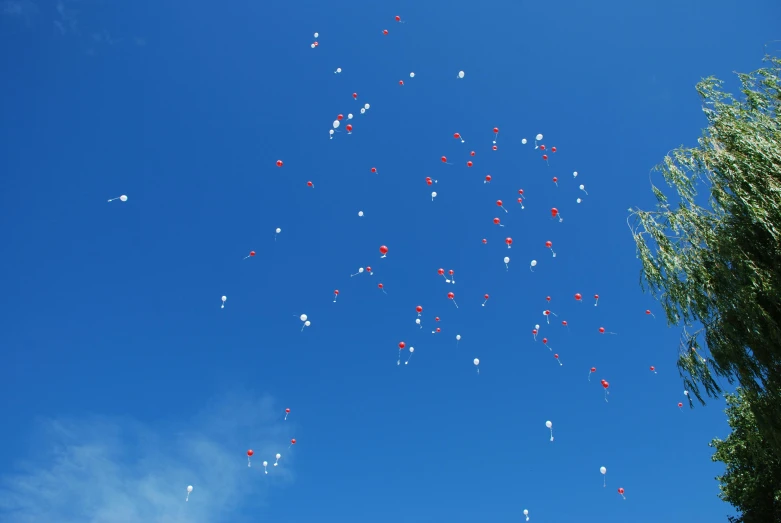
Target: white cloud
{"x": 113, "y": 470}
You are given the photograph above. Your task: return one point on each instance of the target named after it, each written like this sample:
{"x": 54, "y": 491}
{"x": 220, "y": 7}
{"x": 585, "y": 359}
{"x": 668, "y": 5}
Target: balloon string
{"x": 604, "y": 484}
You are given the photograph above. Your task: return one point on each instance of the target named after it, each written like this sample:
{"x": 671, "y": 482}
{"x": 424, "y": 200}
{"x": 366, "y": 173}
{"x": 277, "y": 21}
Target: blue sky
{"x": 124, "y": 381}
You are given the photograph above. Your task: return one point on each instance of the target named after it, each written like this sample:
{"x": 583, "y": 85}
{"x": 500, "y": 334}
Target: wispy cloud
{"x": 117, "y": 470}
{"x": 16, "y": 15}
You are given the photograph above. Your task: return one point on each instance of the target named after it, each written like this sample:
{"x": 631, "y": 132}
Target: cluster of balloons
{"x": 546, "y": 154}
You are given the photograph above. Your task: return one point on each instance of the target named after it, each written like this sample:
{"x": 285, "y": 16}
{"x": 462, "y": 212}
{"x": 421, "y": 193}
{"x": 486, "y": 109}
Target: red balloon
{"x": 293, "y": 441}
{"x": 368, "y": 269}
{"x": 287, "y": 411}
{"x": 419, "y": 308}
{"x": 555, "y": 180}
{"x": 593, "y": 369}
{"x": 379, "y": 285}
{"x": 545, "y": 157}
{"x": 374, "y": 169}
{"x": 494, "y": 148}
{"x": 499, "y": 203}
{"x": 653, "y": 368}
{"x": 252, "y": 253}
{"x": 485, "y": 241}
{"x": 402, "y": 345}
{"x": 620, "y": 490}
{"x": 401, "y": 82}
{"x": 542, "y": 147}
{"x": 438, "y": 329}
{"x": 680, "y": 405}
{"x": 496, "y": 221}
{"x": 339, "y": 116}
{"x": 601, "y": 330}
{"x": 355, "y": 95}
{"x": 488, "y": 178}
{"x": 457, "y": 136}
{"x": 554, "y": 211}
{"x": 548, "y": 244}
{"x": 336, "y": 292}
{"x": 508, "y": 241}
{"x": 547, "y": 298}
{"x": 383, "y": 249}
{"x": 545, "y": 341}
{"x": 496, "y": 130}
{"x": 556, "y": 356}
{"x": 486, "y": 296}
{"x": 578, "y": 296}
{"x": 451, "y": 295}
{"x": 596, "y": 296}
{"x": 384, "y": 31}
{"x": 605, "y": 384}
{"x": 444, "y": 159}
{"x": 437, "y": 318}
{"x": 441, "y": 272}
{"x": 469, "y": 163}
{"x": 310, "y": 184}
{"x": 349, "y": 128}
{"x": 279, "y": 163}
{"x": 250, "y": 452}
{"x": 553, "y": 149}
{"x": 472, "y": 153}
{"x": 398, "y": 19}
{"x": 534, "y": 331}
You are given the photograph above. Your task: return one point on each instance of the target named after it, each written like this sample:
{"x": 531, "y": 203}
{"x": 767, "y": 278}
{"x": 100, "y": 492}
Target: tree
{"x": 715, "y": 263}
{"x": 752, "y": 480}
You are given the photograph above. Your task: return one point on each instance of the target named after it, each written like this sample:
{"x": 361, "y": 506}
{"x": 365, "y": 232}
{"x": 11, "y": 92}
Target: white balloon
{"x": 458, "y": 337}
{"x": 582, "y": 187}
{"x": 337, "y": 123}
{"x": 331, "y": 132}
{"x": 575, "y": 174}
{"x": 537, "y": 326}
{"x": 123, "y": 198}
{"x": 363, "y": 110}
{"x": 603, "y": 470}
{"x": 417, "y": 321}
{"x": 224, "y": 298}
{"x": 360, "y": 213}
{"x": 312, "y": 46}
{"x": 578, "y": 200}
{"x": 411, "y": 350}
{"x": 338, "y": 69}
{"x": 303, "y": 317}
{"x": 278, "y": 230}
{"x": 523, "y": 141}
{"x": 412, "y": 75}
{"x": 317, "y": 35}
{"x": 534, "y": 263}
{"x": 525, "y": 512}
{"x": 506, "y": 259}
{"x": 278, "y": 456}
{"x": 477, "y": 361}
{"x": 307, "y": 323}
{"x": 350, "y": 116}
{"x": 460, "y": 74}
{"x": 366, "y": 106}
{"x": 548, "y": 424}
{"x": 434, "y": 194}
{"x": 538, "y": 137}
{"x": 265, "y": 463}
{"x": 189, "y": 488}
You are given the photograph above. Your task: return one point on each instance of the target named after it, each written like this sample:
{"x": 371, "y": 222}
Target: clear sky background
{"x": 123, "y": 381}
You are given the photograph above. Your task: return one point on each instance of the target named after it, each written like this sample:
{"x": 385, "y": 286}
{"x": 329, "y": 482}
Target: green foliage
{"x": 752, "y": 479}
{"x": 715, "y": 263}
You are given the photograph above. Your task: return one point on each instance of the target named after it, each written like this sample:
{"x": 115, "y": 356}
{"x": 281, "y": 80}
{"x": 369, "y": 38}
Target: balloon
{"x": 287, "y": 412}
{"x": 539, "y": 137}
{"x": 122, "y": 198}
{"x": 293, "y": 441}
{"x": 278, "y": 230}
{"x": 360, "y": 213}
{"x": 338, "y": 70}
{"x": 349, "y": 116}
{"x": 279, "y": 163}
{"x": 523, "y": 141}
{"x": 460, "y": 74}
{"x": 548, "y": 424}
{"x": 433, "y": 195}
{"x": 477, "y": 362}
{"x": 383, "y": 250}
{"x": 506, "y": 259}
{"x": 458, "y": 337}
{"x": 603, "y": 470}
{"x": 317, "y": 35}
{"x": 366, "y": 106}
{"x": 303, "y": 317}
{"x": 336, "y": 124}
{"x": 189, "y": 489}
{"x": 412, "y": 75}
{"x": 224, "y": 298}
